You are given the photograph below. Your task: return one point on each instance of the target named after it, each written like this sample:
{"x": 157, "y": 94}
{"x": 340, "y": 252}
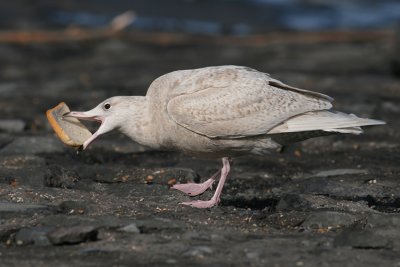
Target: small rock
{"x": 158, "y": 225}
{"x": 285, "y": 220}
{"x": 305, "y": 202}
{"x": 33, "y": 145}
{"x": 73, "y": 207}
{"x": 130, "y": 228}
{"x": 5, "y": 139}
{"x": 57, "y": 176}
{"x": 105, "y": 221}
{"x": 20, "y": 207}
{"x": 73, "y": 235}
{"x": 384, "y": 220}
{"x": 35, "y": 236}
{"x": 337, "y": 172}
{"x": 12, "y": 126}
{"x": 92, "y": 251}
{"x": 253, "y": 255}
{"x": 329, "y": 219}
{"x": 22, "y": 170}
{"x": 198, "y": 251}
{"x": 366, "y": 239}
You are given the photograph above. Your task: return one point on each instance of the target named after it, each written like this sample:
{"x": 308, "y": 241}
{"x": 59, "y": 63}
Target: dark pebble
{"x": 284, "y": 220}
{"x": 73, "y": 207}
{"x": 198, "y": 251}
{"x": 130, "y": 228}
{"x": 73, "y": 235}
{"x": 57, "y": 176}
{"x": 364, "y": 239}
{"x": 33, "y": 145}
{"x": 7, "y": 207}
{"x": 159, "y": 224}
{"x": 12, "y": 126}
{"x": 33, "y": 236}
{"x": 329, "y": 219}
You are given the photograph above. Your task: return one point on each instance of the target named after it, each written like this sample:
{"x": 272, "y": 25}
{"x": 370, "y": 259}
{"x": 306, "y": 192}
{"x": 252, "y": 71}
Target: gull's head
{"x": 111, "y": 113}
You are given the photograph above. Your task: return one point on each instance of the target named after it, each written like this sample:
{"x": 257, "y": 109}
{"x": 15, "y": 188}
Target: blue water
{"x": 238, "y": 17}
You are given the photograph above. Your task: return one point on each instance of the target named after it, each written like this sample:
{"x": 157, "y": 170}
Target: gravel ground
{"x": 329, "y": 201}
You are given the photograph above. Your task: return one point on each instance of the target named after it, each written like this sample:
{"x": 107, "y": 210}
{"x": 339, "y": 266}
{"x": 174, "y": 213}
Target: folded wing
{"x": 234, "y": 102}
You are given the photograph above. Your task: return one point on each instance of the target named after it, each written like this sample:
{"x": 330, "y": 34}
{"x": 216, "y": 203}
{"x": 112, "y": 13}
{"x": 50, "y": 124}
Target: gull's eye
{"x": 107, "y": 106}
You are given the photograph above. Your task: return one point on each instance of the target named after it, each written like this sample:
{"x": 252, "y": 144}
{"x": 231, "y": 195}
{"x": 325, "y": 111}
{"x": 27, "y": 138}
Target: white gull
{"x": 220, "y": 112}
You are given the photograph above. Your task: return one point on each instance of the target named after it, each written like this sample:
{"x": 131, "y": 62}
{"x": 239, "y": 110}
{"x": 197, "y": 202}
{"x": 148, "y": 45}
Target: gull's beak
{"x": 89, "y": 116}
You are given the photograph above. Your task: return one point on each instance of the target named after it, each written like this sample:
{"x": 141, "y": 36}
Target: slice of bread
{"x": 69, "y": 130}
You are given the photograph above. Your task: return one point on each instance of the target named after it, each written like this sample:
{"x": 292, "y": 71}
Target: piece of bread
{"x": 69, "y": 130}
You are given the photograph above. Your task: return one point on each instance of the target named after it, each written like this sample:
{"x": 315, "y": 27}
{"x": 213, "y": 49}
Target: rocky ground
{"x": 330, "y": 201}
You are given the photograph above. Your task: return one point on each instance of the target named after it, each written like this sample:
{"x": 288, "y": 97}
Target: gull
{"x": 220, "y": 112}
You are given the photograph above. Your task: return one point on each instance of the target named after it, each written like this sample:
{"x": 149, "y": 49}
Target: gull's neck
{"x": 137, "y": 121}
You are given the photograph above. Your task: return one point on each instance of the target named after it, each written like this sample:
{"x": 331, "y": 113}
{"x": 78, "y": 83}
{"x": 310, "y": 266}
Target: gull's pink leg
{"x": 193, "y": 189}
{"x": 215, "y": 199}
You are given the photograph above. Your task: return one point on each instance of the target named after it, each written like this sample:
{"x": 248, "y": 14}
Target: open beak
{"x": 83, "y": 116}
{"x": 89, "y": 117}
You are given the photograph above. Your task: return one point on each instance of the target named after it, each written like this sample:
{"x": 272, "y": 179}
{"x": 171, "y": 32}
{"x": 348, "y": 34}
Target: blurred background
{"x": 210, "y": 17}
{"x": 82, "y": 52}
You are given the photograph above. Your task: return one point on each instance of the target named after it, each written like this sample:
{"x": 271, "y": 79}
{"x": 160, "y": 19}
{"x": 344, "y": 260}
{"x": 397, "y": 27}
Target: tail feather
{"x": 348, "y": 130}
{"x": 325, "y": 120}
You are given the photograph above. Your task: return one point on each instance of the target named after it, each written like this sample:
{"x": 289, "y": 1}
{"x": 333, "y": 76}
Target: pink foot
{"x": 193, "y": 189}
{"x": 202, "y": 204}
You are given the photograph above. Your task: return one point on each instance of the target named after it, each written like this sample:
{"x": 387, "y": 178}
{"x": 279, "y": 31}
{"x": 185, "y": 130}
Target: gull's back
{"x": 230, "y": 105}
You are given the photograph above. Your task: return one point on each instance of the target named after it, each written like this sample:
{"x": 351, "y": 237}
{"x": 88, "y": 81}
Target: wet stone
{"x": 305, "y": 202}
{"x": 130, "y": 228}
{"x": 92, "y": 251}
{"x": 20, "y": 170}
{"x": 104, "y": 221}
{"x": 281, "y": 220}
{"x": 5, "y": 139}
{"x": 159, "y": 225}
{"x": 365, "y": 239}
{"x": 329, "y": 219}
{"x": 383, "y": 220}
{"x": 12, "y": 126}
{"x": 73, "y": 235}
{"x": 28, "y": 176}
{"x": 33, "y": 236}
{"x": 73, "y": 207}
{"x": 336, "y": 172}
{"x": 21, "y": 161}
{"x": 7, "y": 207}
{"x": 33, "y": 145}
{"x": 348, "y": 187}
{"x": 198, "y": 251}
{"x": 57, "y": 176}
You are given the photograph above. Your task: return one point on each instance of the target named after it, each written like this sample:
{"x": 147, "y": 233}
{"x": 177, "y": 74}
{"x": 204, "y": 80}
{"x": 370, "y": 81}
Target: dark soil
{"x": 329, "y": 201}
